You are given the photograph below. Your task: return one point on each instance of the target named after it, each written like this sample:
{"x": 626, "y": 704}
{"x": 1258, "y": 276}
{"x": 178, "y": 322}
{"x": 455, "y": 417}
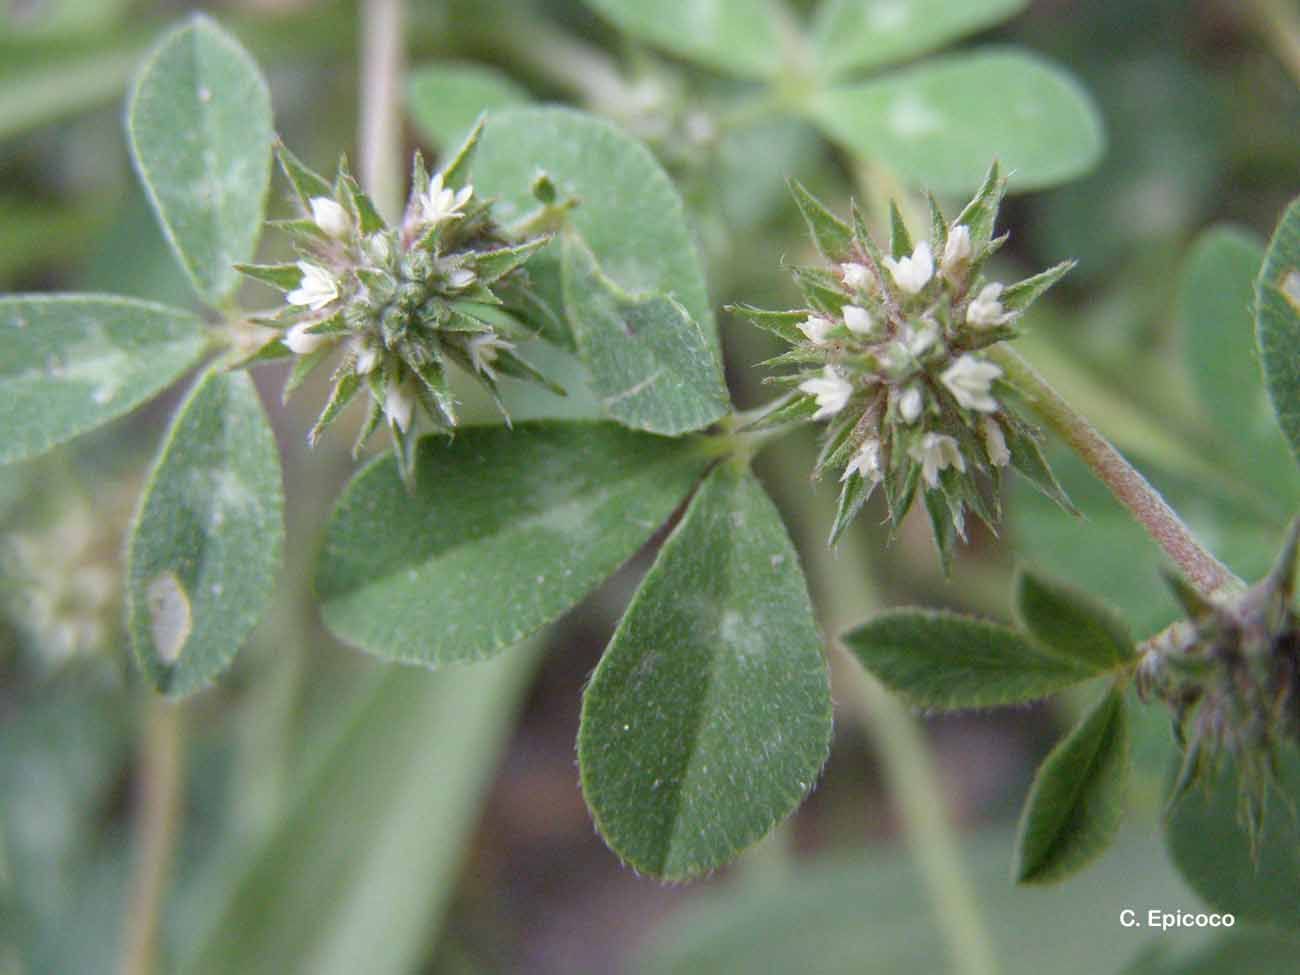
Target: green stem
{"x": 158, "y": 820}
{"x": 1129, "y": 487}
{"x": 382, "y": 55}
{"x": 843, "y": 589}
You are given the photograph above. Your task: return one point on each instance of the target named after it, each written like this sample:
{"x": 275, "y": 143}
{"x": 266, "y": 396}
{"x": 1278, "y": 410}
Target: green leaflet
{"x": 1074, "y": 807}
{"x": 507, "y": 529}
{"x": 652, "y": 367}
{"x": 854, "y": 34}
{"x": 445, "y": 100}
{"x": 709, "y": 716}
{"x": 1277, "y": 323}
{"x": 1072, "y": 622}
{"x": 614, "y": 183}
{"x": 942, "y": 660}
{"x": 740, "y": 37}
{"x": 70, "y": 363}
{"x": 200, "y": 129}
{"x": 1216, "y": 298}
{"x": 358, "y": 873}
{"x": 938, "y": 124}
{"x": 205, "y": 547}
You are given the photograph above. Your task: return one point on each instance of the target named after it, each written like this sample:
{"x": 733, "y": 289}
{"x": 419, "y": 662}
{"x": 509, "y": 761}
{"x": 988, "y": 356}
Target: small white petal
{"x": 302, "y": 342}
{"x": 985, "y": 310}
{"x": 994, "y": 442}
{"x": 816, "y": 329}
{"x": 857, "y": 276}
{"x": 865, "y": 463}
{"x": 936, "y": 452}
{"x": 969, "y": 379}
{"x": 316, "y": 289}
{"x": 399, "y": 403}
{"x": 910, "y": 404}
{"x": 831, "y": 390}
{"x": 367, "y": 358}
{"x": 483, "y": 351}
{"x": 913, "y": 273}
{"x": 330, "y": 217}
{"x": 462, "y": 277}
{"x": 378, "y": 248}
{"x": 957, "y": 249}
{"x": 441, "y": 202}
{"x": 918, "y": 340}
{"x": 858, "y": 320}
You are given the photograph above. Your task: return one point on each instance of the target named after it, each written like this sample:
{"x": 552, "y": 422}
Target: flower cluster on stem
{"x": 400, "y": 304}
{"x": 891, "y": 352}
{"x": 1230, "y": 675}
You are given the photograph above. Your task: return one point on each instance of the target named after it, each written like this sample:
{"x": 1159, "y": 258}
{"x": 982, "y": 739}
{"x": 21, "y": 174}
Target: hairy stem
{"x": 1143, "y": 501}
{"x": 841, "y": 582}
{"x": 157, "y": 825}
{"x": 382, "y": 55}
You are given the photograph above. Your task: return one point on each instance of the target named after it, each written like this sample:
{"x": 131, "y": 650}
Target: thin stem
{"x": 1279, "y": 24}
{"x": 842, "y": 582}
{"x": 158, "y": 820}
{"x": 382, "y": 55}
{"x": 1130, "y": 488}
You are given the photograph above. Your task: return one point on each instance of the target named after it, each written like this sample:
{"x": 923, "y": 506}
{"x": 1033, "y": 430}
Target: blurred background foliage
{"x": 343, "y": 816}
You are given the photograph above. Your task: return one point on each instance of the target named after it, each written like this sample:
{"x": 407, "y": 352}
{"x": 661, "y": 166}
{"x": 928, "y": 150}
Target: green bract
{"x": 891, "y": 350}
{"x": 402, "y": 303}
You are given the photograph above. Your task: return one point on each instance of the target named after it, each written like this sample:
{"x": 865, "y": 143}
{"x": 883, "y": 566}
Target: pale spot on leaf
{"x": 170, "y": 621}
{"x": 911, "y": 117}
{"x": 1291, "y": 288}
{"x": 888, "y": 15}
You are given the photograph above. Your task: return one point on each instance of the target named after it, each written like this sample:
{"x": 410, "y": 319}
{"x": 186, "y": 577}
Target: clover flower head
{"x": 403, "y": 303}
{"x": 904, "y": 375}
{"x": 1230, "y": 676}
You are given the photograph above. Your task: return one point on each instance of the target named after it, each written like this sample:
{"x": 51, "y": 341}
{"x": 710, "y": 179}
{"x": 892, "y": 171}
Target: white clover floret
{"x": 985, "y": 309}
{"x": 858, "y": 320}
{"x": 913, "y": 273}
{"x": 302, "y": 342}
{"x": 865, "y": 463}
{"x": 831, "y": 390}
{"x": 316, "y": 289}
{"x": 330, "y": 217}
{"x": 995, "y": 443}
{"x": 970, "y": 381}
{"x": 816, "y": 329}
{"x": 957, "y": 249}
{"x": 936, "y": 452}
{"x": 443, "y": 203}
{"x": 483, "y": 351}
